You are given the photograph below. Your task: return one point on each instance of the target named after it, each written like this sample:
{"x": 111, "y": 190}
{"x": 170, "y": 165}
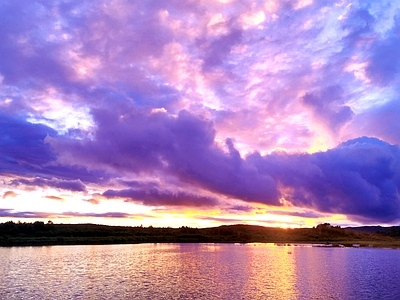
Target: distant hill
{"x": 370, "y": 229}
{"x": 393, "y": 231}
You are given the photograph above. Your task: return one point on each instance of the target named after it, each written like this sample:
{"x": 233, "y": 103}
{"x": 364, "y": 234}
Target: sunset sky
{"x": 200, "y": 113}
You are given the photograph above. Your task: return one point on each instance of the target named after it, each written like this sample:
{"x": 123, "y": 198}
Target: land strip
{"x": 41, "y": 234}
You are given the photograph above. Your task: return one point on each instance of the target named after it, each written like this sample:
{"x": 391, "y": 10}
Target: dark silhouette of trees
{"x": 40, "y": 233}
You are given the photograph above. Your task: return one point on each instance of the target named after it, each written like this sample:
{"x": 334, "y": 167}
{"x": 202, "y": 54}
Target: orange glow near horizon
{"x": 77, "y": 207}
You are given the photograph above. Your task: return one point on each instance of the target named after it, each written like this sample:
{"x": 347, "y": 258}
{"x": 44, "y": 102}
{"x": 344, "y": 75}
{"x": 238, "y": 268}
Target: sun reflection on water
{"x": 272, "y": 272}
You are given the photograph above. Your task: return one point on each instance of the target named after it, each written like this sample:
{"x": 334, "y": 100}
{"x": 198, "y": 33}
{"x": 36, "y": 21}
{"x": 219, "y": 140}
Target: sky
{"x": 200, "y": 113}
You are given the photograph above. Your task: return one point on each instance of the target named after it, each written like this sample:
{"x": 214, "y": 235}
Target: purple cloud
{"x": 97, "y": 215}
{"x": 5, "y": 213}
{"x": 306, "y": 214}
{"x": 359, "y": 178}
{"x": 24, "y": 152}
{"x": 218, "y": 49}
{"x": 359, "y": 24}
{"x": 10, "y": 213}
{"x": 22, "y": 143}
{"x": 328, "y": 106}
{"x": 155, "y": 197}
{"x": 72, "y": 185}
{"x": 384, "y": 64}
{"x": 239, "y": 208}
{"x": 183, "y": 146}
{"x": 381, "y": 122}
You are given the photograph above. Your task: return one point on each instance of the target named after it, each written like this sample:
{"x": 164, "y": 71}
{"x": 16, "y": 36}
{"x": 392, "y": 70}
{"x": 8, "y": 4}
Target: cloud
{"x": 24, "y": 152}
{"x": 24, "y": 58}
{"x": 22, "y": 144}
{"x": 222, "y": 219}
{"x": 93, "y": 201}
{"x": 22, "y": 214}
{"x": 98, "y": 215}
{"x": 359, "y": 178}
{"x": 380, "y": 121}
{"x": 239, "y": 208}
{"x": 155, "y": 197}
{"x": 384, "y": 63}
{"x": 304, "y": 214}
{"x": 218, "y": 49}
{"x": 55, "y": 198}
{"x": 107, "y": 55}
{"x": 359, "y": 24}
{"x": 45, "y": 215}
{"x": 229, "y": 220}
{"x": 182, "y": 146}
{"x": 328, "y": 106}
{"x": 72, "y": 185}
{"x": 8, "y": 194}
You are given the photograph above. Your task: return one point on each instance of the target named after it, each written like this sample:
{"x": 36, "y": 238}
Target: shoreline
{"x": 297, "y": 245}
{"x": 45, "y": 243}
{"x": 40, "y": 234}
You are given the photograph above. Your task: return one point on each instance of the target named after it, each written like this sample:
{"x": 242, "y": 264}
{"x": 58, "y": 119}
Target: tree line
{"x": 40, "y": 233}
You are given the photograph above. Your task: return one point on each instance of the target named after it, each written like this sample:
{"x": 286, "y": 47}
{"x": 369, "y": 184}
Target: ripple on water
{"x": 198, "y": 271}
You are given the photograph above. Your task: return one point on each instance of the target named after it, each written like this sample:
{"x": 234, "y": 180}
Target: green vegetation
{"x": 39, "y": 233}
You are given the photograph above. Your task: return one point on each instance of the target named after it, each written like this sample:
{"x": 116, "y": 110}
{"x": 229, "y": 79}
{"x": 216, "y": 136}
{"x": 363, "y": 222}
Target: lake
{"x": 198, "y": 271}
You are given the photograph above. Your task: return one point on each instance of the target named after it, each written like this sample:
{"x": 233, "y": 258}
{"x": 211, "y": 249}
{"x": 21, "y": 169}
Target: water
{"x": 198, "y": 271}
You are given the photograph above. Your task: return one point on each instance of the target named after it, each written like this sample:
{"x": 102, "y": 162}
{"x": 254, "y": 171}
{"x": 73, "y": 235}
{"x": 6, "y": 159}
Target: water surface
{"x": 198, "y": 271}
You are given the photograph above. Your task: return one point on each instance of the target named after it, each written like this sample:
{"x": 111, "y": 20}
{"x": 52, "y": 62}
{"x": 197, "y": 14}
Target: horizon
{"x": 200, "y": 114}
{"x": 50, "y": 222}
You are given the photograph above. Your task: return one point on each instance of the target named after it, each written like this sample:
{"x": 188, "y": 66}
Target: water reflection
{"x": 347, "y": 273}
{"x": 272, "y": 273}
{"x": 198, "y": 271}
{"x": 315, "y": 272}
